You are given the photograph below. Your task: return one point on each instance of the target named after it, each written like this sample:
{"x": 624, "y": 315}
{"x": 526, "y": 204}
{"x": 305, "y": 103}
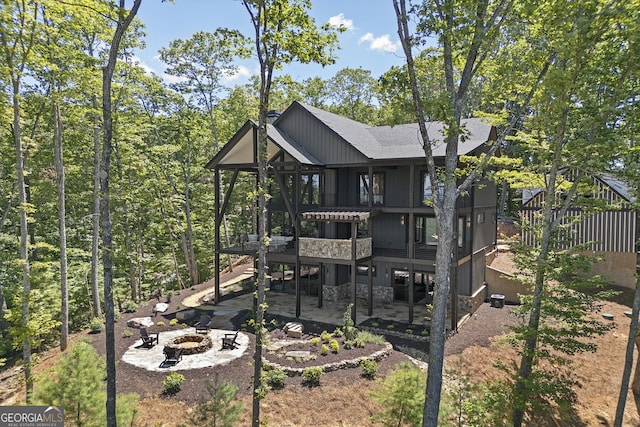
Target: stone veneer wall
{"x": 334, "y": 248}
{"x": 471, "y": 303}
{"x": 343, "y": 291}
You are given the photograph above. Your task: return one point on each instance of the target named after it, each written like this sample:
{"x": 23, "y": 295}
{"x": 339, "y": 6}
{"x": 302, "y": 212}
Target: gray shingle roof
{"x": 282, "y": 140}
{"x": 400, "y": 141}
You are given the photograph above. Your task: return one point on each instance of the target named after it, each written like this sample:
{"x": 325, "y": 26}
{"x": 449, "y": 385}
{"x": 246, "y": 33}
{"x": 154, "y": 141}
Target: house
{"x": 347, "y": 215}
{"x": 610, "y": 234}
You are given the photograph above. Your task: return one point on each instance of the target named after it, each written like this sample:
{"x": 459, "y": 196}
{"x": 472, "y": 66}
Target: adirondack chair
{"x": 229, "y": 341}
{"x": 148, "y": 341}
{"x": 172, "y": 355}
{"x": 204, "y": 324}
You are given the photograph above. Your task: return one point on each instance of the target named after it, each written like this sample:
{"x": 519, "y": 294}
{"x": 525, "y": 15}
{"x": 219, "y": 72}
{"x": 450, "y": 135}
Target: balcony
{"x": 334, "y": 248}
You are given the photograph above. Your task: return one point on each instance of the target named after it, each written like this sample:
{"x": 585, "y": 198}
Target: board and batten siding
{"x": 609, "y": 231}
{"x": 318, "y": 139}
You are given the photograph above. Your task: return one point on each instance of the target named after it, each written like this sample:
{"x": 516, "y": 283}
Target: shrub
{"x": 338, "y": 332}
{"x": 324, "y": 350}
{"x": 369, "y": 368}
{"x": 366, "y": 336}
{"x": 222, "y": 408}
{"x": 274, "y": 378}
{"x": 425, "y": 332}
{"x": 390, "y": 326}
{"x": 315, "y": 341}
{"x": 169, "y": 295}
{"x": 129, "y": 306}
{"x": 408, "y": 331}
{"x": 347, "y": 345}
{"x": 173, "y": 322}
{"x": 312, "y": 376}
{"x": 325, "y": 336}
{"x": 349, "y": 329}
{"x": 333, "y": 344}
{"x": 172, "y": 383}
{"x": 375, "y": 324}
{"x": 160, "y": 323}
{"x": 126, "y": 333}
{"x": 95, "y": 324}
{"x": 401, "y": 396}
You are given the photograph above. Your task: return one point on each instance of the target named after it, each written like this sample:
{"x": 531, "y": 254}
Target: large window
{"x": 427, "y": 192}
{"x": 377, "y": 189}
{"x": 310, "y": 189}
{"x": 426, "y": 231}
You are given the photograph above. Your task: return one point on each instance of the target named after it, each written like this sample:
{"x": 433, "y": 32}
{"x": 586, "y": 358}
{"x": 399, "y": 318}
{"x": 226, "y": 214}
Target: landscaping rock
{"x": 161, "y": 307}
{"x": 293, "y": 329}
{"x": 140, "y": 322}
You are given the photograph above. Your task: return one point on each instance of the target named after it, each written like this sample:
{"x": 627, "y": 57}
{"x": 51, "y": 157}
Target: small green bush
{"x": 312, "y": 376}
{"x": 375, "y": 324}
{"x": 334, "y": 346}
{"x": 169, "y": 295}
{"x": 424, "y": 332}
{"x": 95, "y": 324}
{"x": 325, "y": 336}
{"x": 324, "y": 350}
{"x": 172, "y": 383}
{"x": 369, "y": 368}
{"x": 366, "y": 336}
{"x": 338, "y": 332}
{"x": 390, "y": 326}
{"x": 129, "y": 306}
{"x": 173, "y": 322}
{"x": 160, "y": 323}
{"x": 347, "y": 345}
{"x": 126, "y": 333}
{"x": 408, "y": 331}
{"x": 274, "y": 378}
{"x": 315, "y": 341}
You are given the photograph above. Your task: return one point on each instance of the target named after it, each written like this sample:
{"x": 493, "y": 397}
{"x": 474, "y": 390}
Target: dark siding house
{"x": 610, "y": 234}
{"x": 348, "y": 218}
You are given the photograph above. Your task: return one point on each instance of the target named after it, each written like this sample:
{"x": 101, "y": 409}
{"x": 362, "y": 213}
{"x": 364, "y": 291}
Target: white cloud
{"x": 240, "y": 72}
{"x": 147, "y": 69}
{"x": 340, "y": 21}
{"x": 382, "y": 43}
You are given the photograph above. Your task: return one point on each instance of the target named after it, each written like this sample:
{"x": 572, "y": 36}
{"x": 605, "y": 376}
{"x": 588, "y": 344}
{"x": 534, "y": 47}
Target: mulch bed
{"x": 131, "y": 379}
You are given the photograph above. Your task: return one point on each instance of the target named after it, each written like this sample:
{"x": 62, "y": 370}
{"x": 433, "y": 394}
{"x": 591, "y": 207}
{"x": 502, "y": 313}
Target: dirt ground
{"x": 342, "y": 398}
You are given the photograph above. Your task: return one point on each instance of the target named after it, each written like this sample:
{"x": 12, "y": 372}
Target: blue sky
{"x": 370, "y": 42}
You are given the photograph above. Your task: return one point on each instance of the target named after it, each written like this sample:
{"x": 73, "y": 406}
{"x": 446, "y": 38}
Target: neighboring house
{"x": 611, "y": 234}
{"x": 347, "y": 216}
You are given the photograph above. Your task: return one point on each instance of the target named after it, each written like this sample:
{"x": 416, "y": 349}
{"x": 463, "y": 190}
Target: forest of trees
{"x": 559, "y": 79}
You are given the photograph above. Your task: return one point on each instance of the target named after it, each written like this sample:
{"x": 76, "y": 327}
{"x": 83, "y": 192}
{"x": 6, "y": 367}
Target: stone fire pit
{"x": 191, "y": 343}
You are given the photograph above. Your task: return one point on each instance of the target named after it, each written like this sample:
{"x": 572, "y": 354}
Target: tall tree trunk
{"x": 105, "y": 214}
{"x": 628, "y": 358}
{"x": 24, "y": 240}
{"x": 62, "y": 228}
{"x": 95, "y": 289}
{"x": 193, "y": 265}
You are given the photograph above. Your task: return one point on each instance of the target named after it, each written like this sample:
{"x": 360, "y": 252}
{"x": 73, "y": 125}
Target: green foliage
{"x": 96, "y": 324}
{"x": 312, "y": 376}
{"x": 325, "y": 336}
{"x": 324, "y": 350}
{"x": 172, "y": 383}
{"x": 401, "y": 396}
{"x": 315, "y": 341}
{"x": 222, "y": 409}
{"x": 77, "y": 383}
{"x": 126, "y": 333}
{"x": 160, "y": 323}
{"x": 349, "y": 329}
{"x": 129, "y": 306}
{"x": 334, "y": 346}
{"x": 370, "y": 337}
{"x": 173, "y": 322}
{"x": 274, "y": 378}
{"x": 338, "y": 332}
{"x": 369, "y": 368}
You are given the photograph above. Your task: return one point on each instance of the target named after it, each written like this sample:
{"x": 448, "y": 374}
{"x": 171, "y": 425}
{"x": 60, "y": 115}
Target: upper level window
{"x": 426, "y": 230}
{"x": 274, "y": 189}
{"x": 310, "y": 189}
{"x": 377, "y": 189}
{"x": 427, "y": 192}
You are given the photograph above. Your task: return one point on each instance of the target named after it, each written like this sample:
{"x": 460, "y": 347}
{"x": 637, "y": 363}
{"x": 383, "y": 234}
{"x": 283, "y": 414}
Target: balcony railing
{"x": 334, "y": 248}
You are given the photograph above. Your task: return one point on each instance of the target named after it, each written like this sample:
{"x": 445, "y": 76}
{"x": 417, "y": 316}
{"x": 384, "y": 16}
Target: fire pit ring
{"x": 191, "y": 343}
